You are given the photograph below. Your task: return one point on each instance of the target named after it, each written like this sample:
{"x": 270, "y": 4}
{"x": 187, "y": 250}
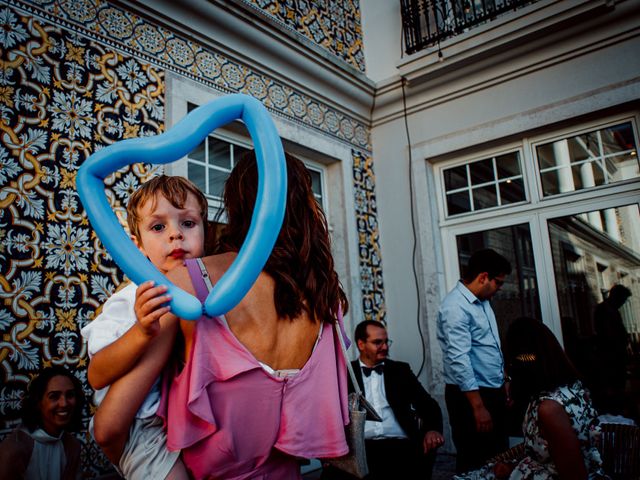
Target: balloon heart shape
{"x": 186, "y": 135}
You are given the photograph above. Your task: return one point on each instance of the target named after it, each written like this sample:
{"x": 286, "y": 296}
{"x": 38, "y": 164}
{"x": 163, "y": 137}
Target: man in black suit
{"x": 404, "y": 444}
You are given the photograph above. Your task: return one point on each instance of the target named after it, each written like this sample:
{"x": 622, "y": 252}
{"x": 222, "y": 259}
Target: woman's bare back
{"x": 280, "y": 343}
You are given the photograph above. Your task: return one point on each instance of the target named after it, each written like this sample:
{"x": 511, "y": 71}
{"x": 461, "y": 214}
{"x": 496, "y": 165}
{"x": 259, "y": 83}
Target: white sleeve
{"x": 117, "y": 316}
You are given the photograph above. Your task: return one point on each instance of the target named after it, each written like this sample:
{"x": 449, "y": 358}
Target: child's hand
{"x": 149, "y": 307}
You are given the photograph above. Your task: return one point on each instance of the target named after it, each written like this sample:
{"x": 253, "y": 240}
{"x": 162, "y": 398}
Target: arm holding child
{"x": 129, "y": 366}
{"x": 118, "y": 358}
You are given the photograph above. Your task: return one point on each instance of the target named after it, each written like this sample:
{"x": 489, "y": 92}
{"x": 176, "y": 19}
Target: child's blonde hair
{"x": 174, "y": 189}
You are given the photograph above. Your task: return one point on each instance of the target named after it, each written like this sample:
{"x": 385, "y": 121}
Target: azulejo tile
{"x": 112, "y": 25}
{"x": 115, "y": 23}
{"x": 233, "y": 76}
{"x": 208, "y": 65}
{"x": 278, "y": 97}
{"x": 256, "y": 86}
{"x": 79, "y": 10}
{"x": 369, "y": 245}
{"x": 55, "y": 272}
{"x": 315, "y": 113}
{"x": 297, "y": 105}
{"x": 149, "y": 38}
{"x": 180, "y": 52}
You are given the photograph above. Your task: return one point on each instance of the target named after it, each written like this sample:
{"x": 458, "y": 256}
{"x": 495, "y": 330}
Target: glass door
{"x": 519, "y": 296}
{"x": 594, "y": 252}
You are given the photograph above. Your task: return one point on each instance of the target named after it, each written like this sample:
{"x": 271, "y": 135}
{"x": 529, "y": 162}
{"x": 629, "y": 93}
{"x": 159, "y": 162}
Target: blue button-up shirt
{"x": 468, "y": 336}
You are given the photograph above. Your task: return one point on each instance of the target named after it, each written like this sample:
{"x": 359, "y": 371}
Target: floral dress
{"x": 537, "y": 464}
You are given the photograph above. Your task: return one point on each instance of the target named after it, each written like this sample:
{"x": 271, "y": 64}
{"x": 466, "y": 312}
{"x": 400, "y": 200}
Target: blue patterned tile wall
{"x": 77, "y": 76}
{"x": 136, "y": 36}
{"x": 373, "y": 303}
{"x": 332, "y": 24}
{"x": 62, "y": 97}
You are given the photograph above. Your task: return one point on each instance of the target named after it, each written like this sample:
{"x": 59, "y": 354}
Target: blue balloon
{"x": 186, "y": 135}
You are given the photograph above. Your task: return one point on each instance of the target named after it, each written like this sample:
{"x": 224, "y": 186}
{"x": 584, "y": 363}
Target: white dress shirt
{"x": 375, "y": 394}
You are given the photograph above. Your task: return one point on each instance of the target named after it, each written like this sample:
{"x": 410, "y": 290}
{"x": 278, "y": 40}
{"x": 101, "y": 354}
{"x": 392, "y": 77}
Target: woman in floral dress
{"x": 561, "y": 429}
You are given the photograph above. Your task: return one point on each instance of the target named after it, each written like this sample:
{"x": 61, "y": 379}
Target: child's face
{"x": 168, "y": 234}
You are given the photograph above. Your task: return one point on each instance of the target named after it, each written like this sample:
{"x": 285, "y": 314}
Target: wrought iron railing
{"x": 427, "y": 22}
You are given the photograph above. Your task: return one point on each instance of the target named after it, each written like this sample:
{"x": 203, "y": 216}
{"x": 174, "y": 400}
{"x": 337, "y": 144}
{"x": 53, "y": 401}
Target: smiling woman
{"x": 43, "y": 447}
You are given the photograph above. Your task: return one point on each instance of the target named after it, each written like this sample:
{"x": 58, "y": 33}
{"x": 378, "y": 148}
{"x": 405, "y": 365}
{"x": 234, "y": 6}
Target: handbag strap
{"x": 356, "y": 385}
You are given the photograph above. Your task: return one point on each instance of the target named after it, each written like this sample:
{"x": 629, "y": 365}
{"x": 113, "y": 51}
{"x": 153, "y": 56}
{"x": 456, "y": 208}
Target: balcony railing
{"x": 428, "y": 22}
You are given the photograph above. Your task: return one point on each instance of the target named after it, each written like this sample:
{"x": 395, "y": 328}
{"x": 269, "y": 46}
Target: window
{"x": 211, "y": 162}
{"x": 317, "y": 185}
{"x": 488, "y": 183}
{"x": 588, "y": 160}
{"x": 209, "y": 165}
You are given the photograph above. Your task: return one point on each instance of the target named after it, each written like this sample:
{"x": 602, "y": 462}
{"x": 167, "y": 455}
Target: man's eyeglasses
{"x": 379, "y": 342}
{"x": 498, "y": 282}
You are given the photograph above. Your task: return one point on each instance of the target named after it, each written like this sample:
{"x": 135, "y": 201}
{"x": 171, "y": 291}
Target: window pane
{"x": 551, "y": 181}
{"x": 455, "y": 178}
{"x": 583, "y": 147}
{"x": 546, "y": 158}
{"x": 216, "y": 182}
{"x": 618, "y": 139}
{"x": 508, "y": 165}
{"x": 519, "y": 295}
{"x": 512, "y": 191}
{"x": 198, "y": 153}
{"x": 587, "y": 175}
{"x": 196, "y": 174}
{"x": 592, "y": 252}
{"x": 622, "y": 167}
{"x": 316, "y": 183}
{"x": 484, "y": 197}
{"x": 481, "y": 172}
{"x": 458, "y": 203}
{"x": 584, "y": 155}
{"x": 219, "y": 153}
{"x": 238, "y": 153}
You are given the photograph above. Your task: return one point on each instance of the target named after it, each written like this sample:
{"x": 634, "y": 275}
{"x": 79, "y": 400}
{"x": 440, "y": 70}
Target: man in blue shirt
{"x": 475, "y": 392}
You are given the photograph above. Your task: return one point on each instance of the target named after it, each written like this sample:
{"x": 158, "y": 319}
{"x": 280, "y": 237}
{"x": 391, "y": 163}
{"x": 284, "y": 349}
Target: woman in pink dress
{"x": 255, "y": 391}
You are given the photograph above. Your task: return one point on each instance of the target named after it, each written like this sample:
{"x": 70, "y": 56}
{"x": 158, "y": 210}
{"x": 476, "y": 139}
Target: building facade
{"x": 518, "y": 132}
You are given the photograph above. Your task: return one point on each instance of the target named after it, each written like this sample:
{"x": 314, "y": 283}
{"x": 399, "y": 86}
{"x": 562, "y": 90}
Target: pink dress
{"x": 233, "y": 420}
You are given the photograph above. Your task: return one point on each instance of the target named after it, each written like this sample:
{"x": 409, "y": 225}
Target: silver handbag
{"x": 354, "y": 462}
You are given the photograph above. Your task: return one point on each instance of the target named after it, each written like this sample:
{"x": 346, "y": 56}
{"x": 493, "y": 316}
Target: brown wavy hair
{"x": 175, "y": 189}
{"x": 301, "y": 262}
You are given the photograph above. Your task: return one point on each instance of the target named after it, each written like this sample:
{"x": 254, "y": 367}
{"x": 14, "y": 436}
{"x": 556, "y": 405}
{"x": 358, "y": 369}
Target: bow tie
{"x": 378, "y": 369}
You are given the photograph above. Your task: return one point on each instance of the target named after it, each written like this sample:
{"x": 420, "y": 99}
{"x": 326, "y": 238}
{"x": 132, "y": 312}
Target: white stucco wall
{"x": 381, "y": 31}
{"x": 577, "y": 71}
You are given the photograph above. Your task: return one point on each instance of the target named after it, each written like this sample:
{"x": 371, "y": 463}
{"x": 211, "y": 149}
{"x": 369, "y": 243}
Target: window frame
{"x": 245, "y": 142}
{"x": 536, "y": 212}
{"x": 227, "y": 137}
{"x": 496, "y": 182}
{"x": 572, "y": 131}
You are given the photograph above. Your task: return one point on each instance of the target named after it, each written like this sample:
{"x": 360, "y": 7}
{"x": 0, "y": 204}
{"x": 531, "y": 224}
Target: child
{"x": 166, "y": 218}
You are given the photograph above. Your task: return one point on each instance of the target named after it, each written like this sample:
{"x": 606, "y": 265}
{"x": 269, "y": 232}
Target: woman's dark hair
{"x": 31, "y": 415}
{"x": 301, "y": 262}
{"x": 535, "y": 360}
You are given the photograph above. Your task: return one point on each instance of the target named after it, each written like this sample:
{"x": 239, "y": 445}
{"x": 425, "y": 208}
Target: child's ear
{"x": 134, "y": 239}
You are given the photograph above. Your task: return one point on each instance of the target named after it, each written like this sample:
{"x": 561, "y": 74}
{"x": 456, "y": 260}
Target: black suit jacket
{"x": 407, "y": 398}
